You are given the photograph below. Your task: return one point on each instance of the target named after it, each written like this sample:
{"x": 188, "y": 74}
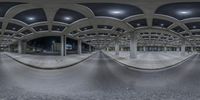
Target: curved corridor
{"x": 99, "y": 78}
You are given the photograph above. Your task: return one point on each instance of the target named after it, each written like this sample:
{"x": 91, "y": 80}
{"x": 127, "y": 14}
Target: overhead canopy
{"x": 100, "y": 23}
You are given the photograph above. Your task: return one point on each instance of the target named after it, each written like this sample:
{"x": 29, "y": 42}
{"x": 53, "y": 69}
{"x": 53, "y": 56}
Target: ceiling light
{"x": 116, "y": 12}
{"x": 31, "y": 18}
{"x": 184, "y": 12}
{"x": 14, "y": 28}
{"x": 67, "y": 18}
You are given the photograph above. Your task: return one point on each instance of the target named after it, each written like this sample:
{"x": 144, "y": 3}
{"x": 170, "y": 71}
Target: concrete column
{"x": 79, "y": 47}
{"x": 165, "y": 49}
{"x": 20, "y": 46}
{"x": 90, "y": 48}
{"x": 143, "y": 47}
{"x": 178, "y": 49}
{"x": 133, "y": 45}
{"x": 120, "y": 49}
{"x": 63, "y": 43}
{"x": 107, "y": 49}
{"x": 123, "y": 48}
{"x": 183, "y": 48}
{"x": 9, "y": 48}
{"x": 24, "y": 44}
{"x": 193, "y": 49}
{"x": 117, "y": 48}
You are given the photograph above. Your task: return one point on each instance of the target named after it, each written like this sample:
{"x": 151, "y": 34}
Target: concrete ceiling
{"x": 37, "y": 18}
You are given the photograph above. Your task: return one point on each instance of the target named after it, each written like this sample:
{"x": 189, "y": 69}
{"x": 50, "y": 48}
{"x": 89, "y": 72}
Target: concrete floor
{"x": 151, "y": 60}
{"x": 98, "y": 78}
{"x": 49, "y": 62}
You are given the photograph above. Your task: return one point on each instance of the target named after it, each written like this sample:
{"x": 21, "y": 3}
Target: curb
{"x": 151, "y": 70}
{"x": 55, "y": 68}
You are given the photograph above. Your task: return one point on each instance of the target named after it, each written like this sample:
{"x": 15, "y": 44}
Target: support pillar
{"x": 90, "y": 48}
{"x": 143, "y": 48}
{"x": 123, "y": 49}
{"x": 9, "y": 48}
{"x": 133, "y": 45}
{"x": 63, "y": 43}
{"x": 20, "y": 47}
{"x": 24, "y": 45}
{"x": 107, "y": 49}
{"x": 194, "y": 49}
{"x": 165, "y": 49}
{"x": 179, "y": 49}
{"x": 183, "y": 48}
{"x": 79, "y": 47}
{"x": 176, "y": 49}
{"x": 191, "y": 49}
{"x": 117, "y": 48}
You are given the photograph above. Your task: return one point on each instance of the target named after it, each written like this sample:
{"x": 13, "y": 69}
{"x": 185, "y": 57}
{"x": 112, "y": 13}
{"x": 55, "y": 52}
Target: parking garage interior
{"x": 99, "y": 49}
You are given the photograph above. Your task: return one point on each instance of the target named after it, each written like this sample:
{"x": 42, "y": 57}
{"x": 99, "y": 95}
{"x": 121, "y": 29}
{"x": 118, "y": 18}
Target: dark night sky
{"x": 46, "y": 42}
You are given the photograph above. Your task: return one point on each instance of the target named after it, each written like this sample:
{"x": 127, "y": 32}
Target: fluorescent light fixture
{"x": 184, "y": 12}
{"x": 116, "y": 12}
{"x": 14, "y": 28}
{"x": 67, "y": 18}
{"x": 31, "y": 18}
{"x": 138, "y": 24}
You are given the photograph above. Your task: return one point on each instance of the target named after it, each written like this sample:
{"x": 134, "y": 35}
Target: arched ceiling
{"x": 179, "y": 10}
{"x": 99, "y": 23}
